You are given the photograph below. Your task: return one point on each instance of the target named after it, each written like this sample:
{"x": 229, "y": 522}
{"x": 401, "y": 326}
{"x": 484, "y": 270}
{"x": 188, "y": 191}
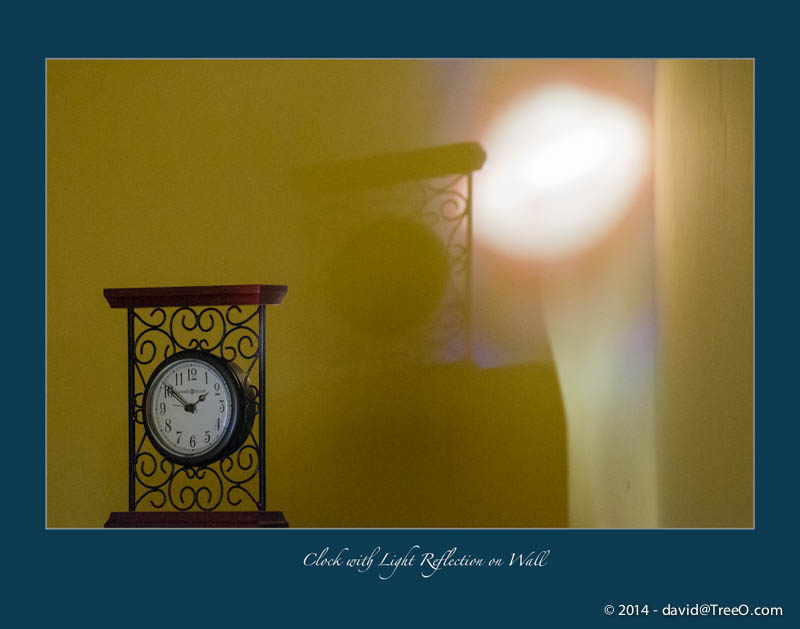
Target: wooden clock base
{"x": 196, "y": 519}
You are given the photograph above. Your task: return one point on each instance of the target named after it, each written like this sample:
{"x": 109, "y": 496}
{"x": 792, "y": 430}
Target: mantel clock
{"x": 196, "y": 412}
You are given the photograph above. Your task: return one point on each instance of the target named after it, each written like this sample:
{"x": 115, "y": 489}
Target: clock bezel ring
{"x": 237, "y": 428}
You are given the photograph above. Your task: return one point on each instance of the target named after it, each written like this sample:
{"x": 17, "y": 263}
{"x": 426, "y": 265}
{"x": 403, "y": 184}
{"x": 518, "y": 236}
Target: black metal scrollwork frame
{"x": 234, "y": 333}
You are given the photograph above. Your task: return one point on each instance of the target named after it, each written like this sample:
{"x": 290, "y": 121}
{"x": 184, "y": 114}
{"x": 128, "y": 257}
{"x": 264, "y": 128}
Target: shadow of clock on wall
{"x": 387, "y": 278}
{"x": 381, "y": 425}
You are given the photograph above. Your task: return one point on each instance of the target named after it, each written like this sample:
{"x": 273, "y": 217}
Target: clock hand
{"x": 192, "y": 408}
{"x": 177, "y": 396}
{"x": 189, "y": 408}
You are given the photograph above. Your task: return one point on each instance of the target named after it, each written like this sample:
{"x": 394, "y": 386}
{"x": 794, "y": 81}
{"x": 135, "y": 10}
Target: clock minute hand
{"x": 177, "y": 396}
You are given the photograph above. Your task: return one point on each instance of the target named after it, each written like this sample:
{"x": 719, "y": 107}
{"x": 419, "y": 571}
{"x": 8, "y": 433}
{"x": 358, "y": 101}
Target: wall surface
{"x": 166, "y": 173}
{"x": 593, "y": 309}
{"x": 704, "y": 227}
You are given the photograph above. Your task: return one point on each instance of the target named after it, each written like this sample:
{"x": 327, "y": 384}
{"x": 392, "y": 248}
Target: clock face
{"x": 192, "y": 408}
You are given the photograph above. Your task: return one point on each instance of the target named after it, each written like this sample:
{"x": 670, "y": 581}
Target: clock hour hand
{"x": 192, "y": 408}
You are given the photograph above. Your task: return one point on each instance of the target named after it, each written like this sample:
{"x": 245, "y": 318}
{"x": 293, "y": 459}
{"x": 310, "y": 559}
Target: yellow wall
{"x": 704, "y": 227}
{"x": 173, "y": 173}
{"x": 600, "y": 318}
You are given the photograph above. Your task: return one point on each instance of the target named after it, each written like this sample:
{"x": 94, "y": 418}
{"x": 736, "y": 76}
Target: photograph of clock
{"x": 196, "y": 411}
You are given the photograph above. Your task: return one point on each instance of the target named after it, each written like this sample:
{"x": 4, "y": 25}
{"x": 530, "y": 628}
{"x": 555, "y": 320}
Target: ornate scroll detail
{"x": 447, "y": 211}
{"x": 233, "y": 334}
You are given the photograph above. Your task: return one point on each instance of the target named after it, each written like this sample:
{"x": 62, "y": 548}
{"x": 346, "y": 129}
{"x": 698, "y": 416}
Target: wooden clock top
{"x": 233, "y": 295}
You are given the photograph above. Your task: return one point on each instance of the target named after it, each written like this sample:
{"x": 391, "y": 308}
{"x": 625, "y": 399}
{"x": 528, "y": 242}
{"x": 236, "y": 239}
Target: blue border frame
{"x": 72, "y": 570}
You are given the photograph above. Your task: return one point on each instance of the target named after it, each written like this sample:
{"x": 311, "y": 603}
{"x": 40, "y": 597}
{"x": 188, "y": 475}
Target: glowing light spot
{"x": 564, "y": 164}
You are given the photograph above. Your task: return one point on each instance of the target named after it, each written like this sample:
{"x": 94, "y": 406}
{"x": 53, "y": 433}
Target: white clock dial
{"x": 190, "y": 408}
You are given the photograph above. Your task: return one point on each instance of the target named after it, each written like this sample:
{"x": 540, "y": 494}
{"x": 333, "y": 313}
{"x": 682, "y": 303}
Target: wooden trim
{"x": 241, "y": 294}
{"x": 196, "y": 519}
{"x": 390, "y": 168}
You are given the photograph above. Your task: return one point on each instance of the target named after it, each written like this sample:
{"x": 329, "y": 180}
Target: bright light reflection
{"x": 563, "y": 165}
